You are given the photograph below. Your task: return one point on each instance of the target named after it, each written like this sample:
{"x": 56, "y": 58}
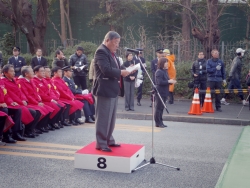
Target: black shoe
{"x": 218, "y": 109}
{"x": 115, "y": 145}
{"x": 160, "y": 126}
{"x": 127, "y": 109}
{"x": 38, "y": 131}
{"x": 55, "y": 126}
{"x": 65, "y": 123}
{"x": 9, "y": 140}
{"x": 18, "y": 137}
{"x": 138, "y": 103}
{"x": 105, "y": 149}
{"x": 43, "y": 130}
{"x": 170, "y": 102}
{"x": 60, "y": 125}
{"x": 93, "y": 118}
{"x": 164, "y": 125}
{"x": 131, "y": 109}
{"x": 51, "y": 127}
{"x": 79, "y": 121}
{"x": 89, "y": 120}
{"x": 73, "y": 122}
{"x": 29, "y": 135}
{"x": 35, "y": 134}
{"x": 150, "y": 105}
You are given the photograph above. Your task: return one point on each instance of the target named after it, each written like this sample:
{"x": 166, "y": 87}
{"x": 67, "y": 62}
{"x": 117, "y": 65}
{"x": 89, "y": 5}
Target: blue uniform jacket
{"x": 212, "y": 73}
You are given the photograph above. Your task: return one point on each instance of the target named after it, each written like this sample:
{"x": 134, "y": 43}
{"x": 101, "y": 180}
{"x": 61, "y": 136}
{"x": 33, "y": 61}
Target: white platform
{"x": 122, "y": 159}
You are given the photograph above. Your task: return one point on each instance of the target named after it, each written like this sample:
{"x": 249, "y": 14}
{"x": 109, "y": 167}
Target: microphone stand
{"x": 152, "y": 159}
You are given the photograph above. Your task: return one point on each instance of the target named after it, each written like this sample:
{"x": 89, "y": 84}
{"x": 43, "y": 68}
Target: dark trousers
{"x": 89, "y": 109}
{"x": 159, "y": 110}
{"x": 129, "y": 89}
{"x": 235, "y": 84}
{"x": 65, "y": 114}
{"x": 57, "y": 117}
{"x": 80, "y": 81}
{"x": 215, "y": 85}
{"x": 139, "y": 92}
{"x": 29, "y": 128}
{"x": 2, "y": 122}
{"x": 77, "y": 114}
{"x": 43, "y": 122}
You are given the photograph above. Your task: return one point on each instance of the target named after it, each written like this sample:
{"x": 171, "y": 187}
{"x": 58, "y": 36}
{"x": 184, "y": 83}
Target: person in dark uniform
{"x": 162, "y": 82}
{"x": 17, "y": 61}
{"x": 39, "y": 59}
{"x": 139, "y": 90}
{"x": 199, "y": 72}
{"x": 159, "y": 54}
{"x": 79, "y": 64}
{"x": 89, "y": 109}
{"x": 60, "y": 60}
{"x": 129, "y": 83}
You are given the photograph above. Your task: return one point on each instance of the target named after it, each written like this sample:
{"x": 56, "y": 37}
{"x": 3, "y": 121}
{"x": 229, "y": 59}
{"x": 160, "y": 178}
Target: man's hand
{"x": 172, "y": 81}
{"x": 40, "y": 104}
{"x": 25, "y": 103}
{"x": 14, "y": 104}
{"x": 3, "y": 105}
{"x": 224, "y": 82}
{"x": 195, "y": 75}
{"x": 124, "y": 73}
{"x": 54, "y": 101}
{"x": 132, "y": 77}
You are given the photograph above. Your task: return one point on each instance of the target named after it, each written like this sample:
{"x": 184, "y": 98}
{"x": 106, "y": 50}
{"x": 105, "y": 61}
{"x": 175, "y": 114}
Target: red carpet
{"x": 126, "y": 150}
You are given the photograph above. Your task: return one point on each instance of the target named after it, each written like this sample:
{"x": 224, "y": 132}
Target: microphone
{"x": 132, "y": 50}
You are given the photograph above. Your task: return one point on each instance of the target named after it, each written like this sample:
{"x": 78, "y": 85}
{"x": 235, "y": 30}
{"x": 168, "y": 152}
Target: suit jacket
{"x": 154, "y": 68}
{"x": 17, "y": 64}
{"x": 161, "y": 81}
{"x": 72, "y": 86}
{"x": 108, "y": 81}
{"x": 35, "y": 62}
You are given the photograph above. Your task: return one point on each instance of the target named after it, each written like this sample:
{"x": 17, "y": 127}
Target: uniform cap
{"x": 67, "y": 68}
{"x": 160, "y": 51}
{"x": 16, "y": 48}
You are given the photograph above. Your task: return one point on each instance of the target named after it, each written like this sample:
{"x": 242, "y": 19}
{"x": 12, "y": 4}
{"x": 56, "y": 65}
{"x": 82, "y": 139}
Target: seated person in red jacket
{"x": 16, "y": 131}
{"x": 17, "y": 100}
{"x": 81, "y": 95}
{"x": 64, "y": 119}
{"x": 47, "y": 98}
{"x": 30, "y": 91}
{"x": 67, "y": 96}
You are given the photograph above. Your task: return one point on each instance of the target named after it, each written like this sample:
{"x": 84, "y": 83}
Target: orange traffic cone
{"x": 208, "y": 105}
{"x": 195, "y": 108}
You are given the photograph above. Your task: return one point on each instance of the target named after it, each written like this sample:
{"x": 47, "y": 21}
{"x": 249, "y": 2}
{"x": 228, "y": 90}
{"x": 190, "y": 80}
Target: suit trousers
{"x": 129, "y": 89}
{"x": 105, "y": 121}
{"x": 80, "y": 81}
{"x": 215, "y": 85}
{"x": 159, "y": 110}
{"x": 139, "y": 92}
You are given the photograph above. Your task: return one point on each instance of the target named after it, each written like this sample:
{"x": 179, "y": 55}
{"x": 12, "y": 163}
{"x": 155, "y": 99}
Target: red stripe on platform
{"x": 126, "y": 150}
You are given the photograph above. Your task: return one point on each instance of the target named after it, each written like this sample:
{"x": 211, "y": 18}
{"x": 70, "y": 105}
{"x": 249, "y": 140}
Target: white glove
{"x": 85, "y": 91}
{"x": 171, "y": 81}
{"x": 218, "y": 67}
{"x": 224, "y": 82}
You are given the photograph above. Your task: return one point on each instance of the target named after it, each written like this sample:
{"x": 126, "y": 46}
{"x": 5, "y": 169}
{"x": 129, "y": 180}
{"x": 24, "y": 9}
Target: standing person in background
{"x": 159, "y": 54}
{"x": 17, "y": 61}
{"x": 235, "y": 76}
{"x": 171, "y": 73}
{"x": 143, "y": 66}
{"x": 199, "y": 73}
{"x": 79, "y": 64}
{"x": 129, "y": 83}
{"x": 216, "y": 75}
{"x": 60, "y": 60}
{"x": 1, "y": 59}
{"x": 162, "y": 82}
{"x": 248, "y": 84}
{"x": 38, "y": 60}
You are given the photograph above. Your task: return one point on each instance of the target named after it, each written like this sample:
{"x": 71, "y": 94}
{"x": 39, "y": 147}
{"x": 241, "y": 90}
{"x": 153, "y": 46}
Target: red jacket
{"x": 66, "y": 94}
{"x": 30, "y": 91}
{"x": 26, "y": 116}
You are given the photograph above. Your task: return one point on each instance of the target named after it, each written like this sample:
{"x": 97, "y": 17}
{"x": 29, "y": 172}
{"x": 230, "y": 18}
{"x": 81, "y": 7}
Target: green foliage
{"x": 7, "y": 43}
{"x": 116, "y": 14}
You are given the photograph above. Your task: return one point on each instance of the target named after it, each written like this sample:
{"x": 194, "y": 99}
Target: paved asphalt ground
{"x": 200, "y": 150}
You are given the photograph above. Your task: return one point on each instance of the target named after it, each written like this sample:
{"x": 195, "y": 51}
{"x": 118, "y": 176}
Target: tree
{"x": 117, "y": 11}
{"x": 19, "y": 15}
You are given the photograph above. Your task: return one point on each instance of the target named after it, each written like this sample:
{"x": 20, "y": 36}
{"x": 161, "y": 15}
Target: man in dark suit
{"x": 17, "y": 61}
{"x": 38, "y": 60}
{"x": 106, "y": 88}
{"x": 60, "y": 60}
{"x": 89, "y": 109}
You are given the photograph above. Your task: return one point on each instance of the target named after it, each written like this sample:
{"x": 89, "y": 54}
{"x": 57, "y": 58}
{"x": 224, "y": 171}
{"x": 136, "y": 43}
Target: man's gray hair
{"x": 111, "y": 35}
{"x": 24, "y": 70}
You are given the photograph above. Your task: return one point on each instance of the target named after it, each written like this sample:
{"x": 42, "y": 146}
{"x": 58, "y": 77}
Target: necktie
{"x": 39, "y": 60}
{"x": 16, "y": 58}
